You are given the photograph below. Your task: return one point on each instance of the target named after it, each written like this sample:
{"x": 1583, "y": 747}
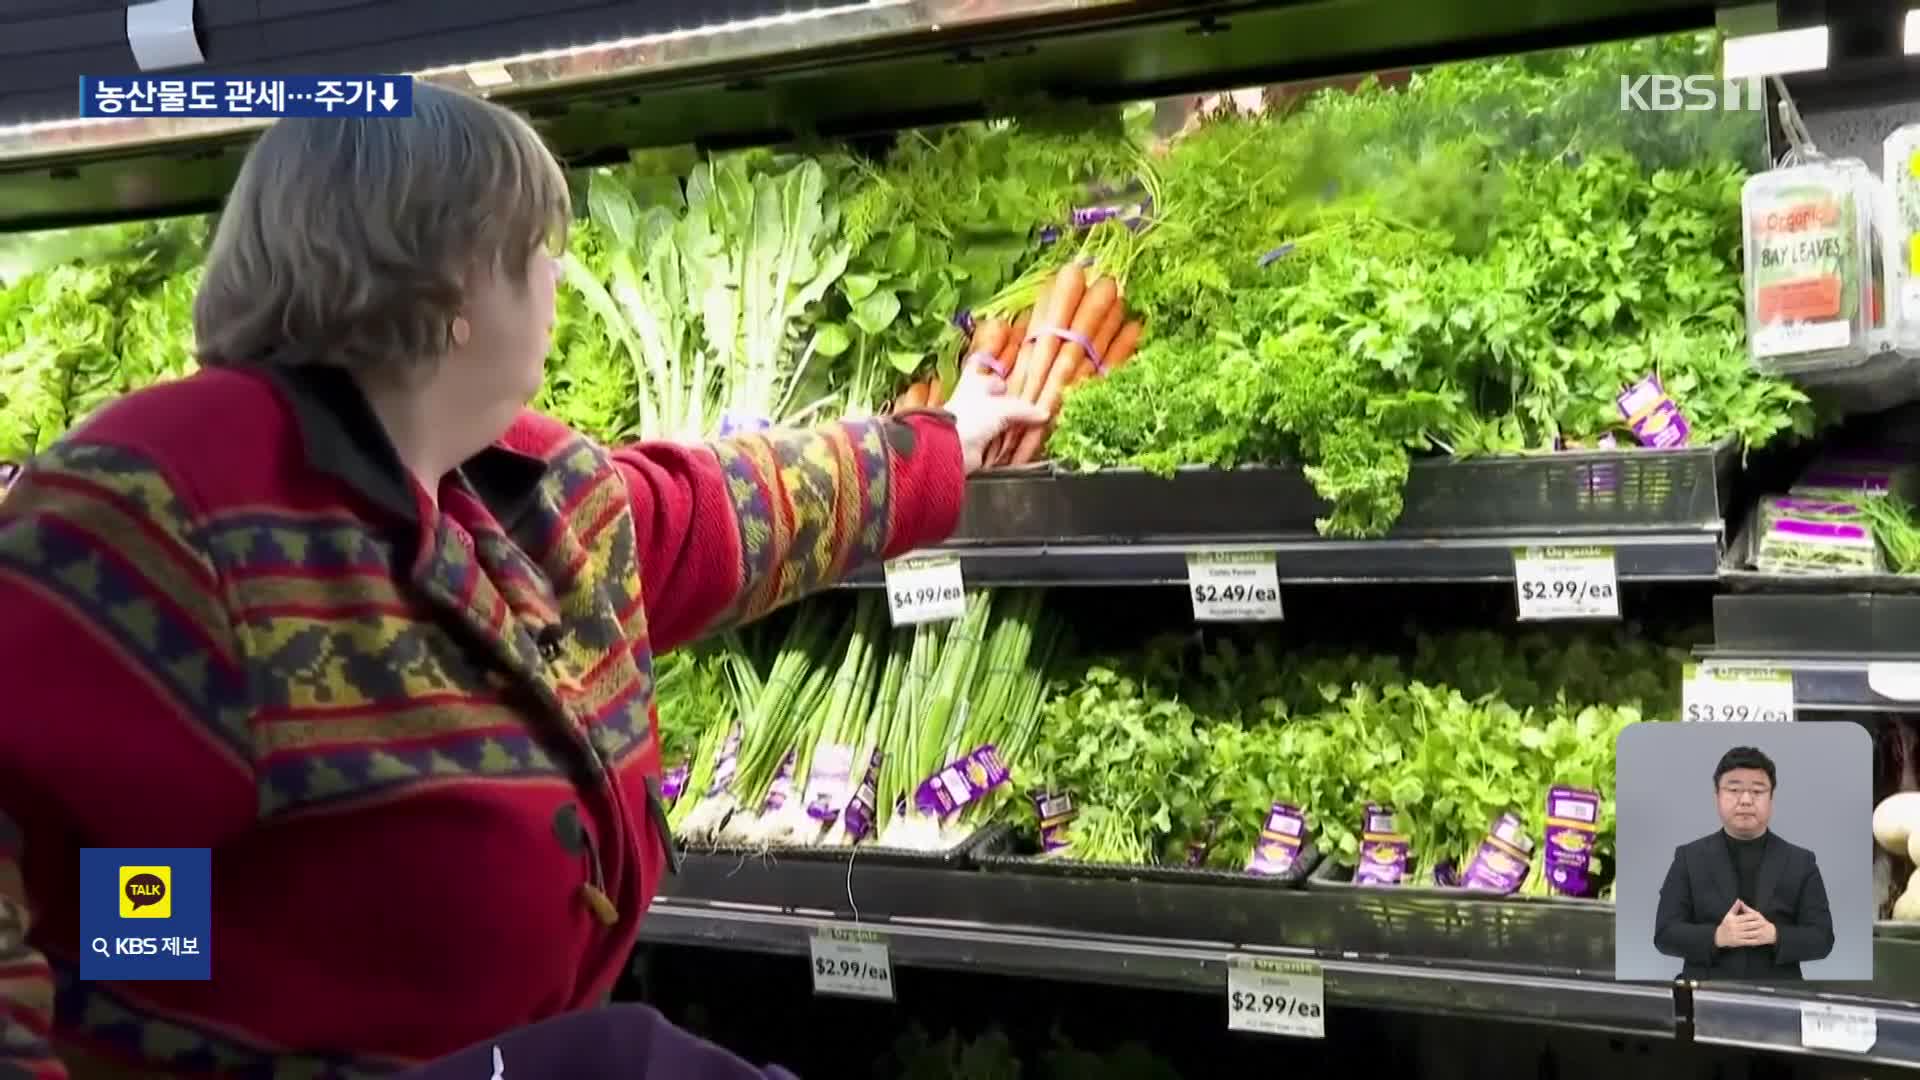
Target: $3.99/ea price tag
{"x": 1736, "y": 693}
{"x": 851, "y": 963}
{"x": 1277, "y": 997}
{"x": 1566, "y": 583}
{"x": 1234, "y": 586}
{"x": 925, "y": 589}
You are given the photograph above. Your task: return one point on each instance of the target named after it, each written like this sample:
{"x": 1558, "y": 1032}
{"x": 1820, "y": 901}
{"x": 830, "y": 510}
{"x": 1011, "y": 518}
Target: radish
{"x": 1896, "y": 821}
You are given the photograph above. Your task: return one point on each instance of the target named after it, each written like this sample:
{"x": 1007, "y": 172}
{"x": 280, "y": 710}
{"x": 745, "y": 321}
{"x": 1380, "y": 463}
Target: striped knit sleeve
{"x": 126, "y": 719}
{"x": 734, "y": 529}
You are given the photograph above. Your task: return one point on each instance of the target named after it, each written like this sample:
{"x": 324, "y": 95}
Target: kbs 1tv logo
{"x": 1690, "y": 93}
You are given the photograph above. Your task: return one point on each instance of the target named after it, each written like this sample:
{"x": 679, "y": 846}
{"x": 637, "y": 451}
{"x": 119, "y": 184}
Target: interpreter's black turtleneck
{"x": 1746, "y": 864}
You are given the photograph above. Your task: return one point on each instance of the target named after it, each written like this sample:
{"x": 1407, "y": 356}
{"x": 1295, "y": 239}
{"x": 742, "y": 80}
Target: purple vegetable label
{"x": 830, "y": 782}
{"x": 1655, "y": 419}
{"x": 961, "y": 783}
{"x": 1504, "y": 859}
{"x": 860, "y": 810}
{"x": 1055, "y": 811}
{"x": 1446, "y": 875}
{"x": 782, "y": 787}
{"x": 675, "y": 782}
{"x": 726, "y": 764}
{"x": 1573, "y": 817}
{"x": 1383, "y": 851}
{"x": 1278, "y": 848}
{"x": 734, "y": 423}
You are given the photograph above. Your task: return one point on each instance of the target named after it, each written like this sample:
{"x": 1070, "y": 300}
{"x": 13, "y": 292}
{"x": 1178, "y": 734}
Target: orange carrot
{"x": 915, "y": 397}
{"x": 989, "y": 339}
{"x": 1103, "y": 341}
{"x": 1069, "y": 287}
{"x": 1100, "y": 298}
{"x": 1124, "y": 344}
{"x": 936, "y": 393}
{"x": 1036, "y": 327}
{"x": 1011, "y": 350}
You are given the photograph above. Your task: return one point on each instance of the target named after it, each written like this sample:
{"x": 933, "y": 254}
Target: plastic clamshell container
{"x": 1900, "y": 172}
{"x": 1813, "y": 301}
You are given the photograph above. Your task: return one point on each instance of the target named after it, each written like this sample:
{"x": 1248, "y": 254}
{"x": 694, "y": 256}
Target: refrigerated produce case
{"x": 1674, "y": 527}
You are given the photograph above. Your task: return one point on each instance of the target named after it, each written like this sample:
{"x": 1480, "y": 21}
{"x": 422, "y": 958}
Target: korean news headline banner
{"x": 146, "y": 914}
{"x": 122, "y": 96}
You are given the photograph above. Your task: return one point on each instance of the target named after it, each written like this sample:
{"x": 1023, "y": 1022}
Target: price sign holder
{"x": 925, "y": 589}
{"x": 1566, "y": 583}
{"x": 1277, "y": 997}
{"x": 851, "y": 963}
{"x": 1234, "y": 586}
{"x": 1845, "y": 1028}
{"x": 1736, "y": 693}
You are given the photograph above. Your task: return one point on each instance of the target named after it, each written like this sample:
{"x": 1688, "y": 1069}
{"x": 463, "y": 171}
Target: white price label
{"x": 851, "y": 963}
{"x": 1234, "y": 586}
{"x": 1277, "y": 997}
{"x": 925, "y": 589}
{"x": 1736, "y": 693}
{"x": 1844, "y": 1028}
{"x": 1784, "y": 339}
{"x": 1895, "y": 679}
{"x": 1566, "y": 583}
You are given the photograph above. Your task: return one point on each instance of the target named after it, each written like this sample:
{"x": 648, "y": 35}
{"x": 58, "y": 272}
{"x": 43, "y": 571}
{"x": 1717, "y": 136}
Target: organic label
{"x": 1838, "y": 1027}
{"x": 1277, "y": 997}
{"x": 925, "y": 589}
{"x": 1566, "y": 583}
{"x": 1724, "y": 693}
{"x": 1234, "y": 586}
{"x": 851, "y": 963}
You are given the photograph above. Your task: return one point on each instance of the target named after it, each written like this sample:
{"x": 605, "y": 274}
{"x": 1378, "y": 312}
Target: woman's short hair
{"x": 350, "y": 241}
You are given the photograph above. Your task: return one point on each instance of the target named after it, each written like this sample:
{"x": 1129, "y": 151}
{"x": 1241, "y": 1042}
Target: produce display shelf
{"x": 1537, "y": 962}
{"x": 1835, "y": 683}
{"x": 1848, "y": 651}
{"x": 1639, "y": 557}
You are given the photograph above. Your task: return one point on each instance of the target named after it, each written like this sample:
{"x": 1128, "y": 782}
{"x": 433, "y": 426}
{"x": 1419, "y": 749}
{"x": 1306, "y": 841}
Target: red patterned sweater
{"x": 420, "y": 741}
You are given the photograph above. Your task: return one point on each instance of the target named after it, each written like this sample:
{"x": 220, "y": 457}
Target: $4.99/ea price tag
{"x": 1277, "y": 997}
{"x": 1736, "y": 693}
{"x": 1566, "y": 583}
{"x": 851, "y": 963}
{"x": 925, "y": 589}
{"x": 1234, "y": 586}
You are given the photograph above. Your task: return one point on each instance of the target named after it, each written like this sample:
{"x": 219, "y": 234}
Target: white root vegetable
{"x": 1907, "y": 908}
{"x": 1913, "y": 848}
{"x": 1896, "y": 820}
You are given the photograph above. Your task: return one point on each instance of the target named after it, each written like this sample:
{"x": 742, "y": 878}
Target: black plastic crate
{"x": 1007, "y": 855}
{"x": 1737, "y": 573}
{"x": 960, "y": 854}
{"x": 1334, "y": 877}
{"x": 1568, "y": 493}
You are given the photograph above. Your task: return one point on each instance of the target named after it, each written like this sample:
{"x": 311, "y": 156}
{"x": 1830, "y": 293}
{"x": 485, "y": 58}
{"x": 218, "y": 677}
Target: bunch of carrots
{"x": 1077, "y": 329}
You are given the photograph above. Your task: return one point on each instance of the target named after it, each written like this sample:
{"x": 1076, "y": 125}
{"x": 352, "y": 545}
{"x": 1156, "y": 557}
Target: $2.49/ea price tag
{"x": 1277, "y": 997}
{"x": 1736, "y": 693}
{"x": 1234, "y": 586}
{"x": 1566, "y": 583}
{"x": 925, "y": 589}
{"x": 851, "y": 963}
{"x": 1844, "y": 1028}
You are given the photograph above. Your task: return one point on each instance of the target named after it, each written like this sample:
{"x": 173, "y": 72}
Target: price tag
{"x": 1898, "y": 680}
{"x": 1736, "y": 693}
{"x": 925, "y": 589}
{"x": 852, "y": 963}
{"x": 1566, "y": 583}
{"x": 1838, "y": 1027}
{"x": 1234, "y": 586}
{"x": 1277, "y": 997}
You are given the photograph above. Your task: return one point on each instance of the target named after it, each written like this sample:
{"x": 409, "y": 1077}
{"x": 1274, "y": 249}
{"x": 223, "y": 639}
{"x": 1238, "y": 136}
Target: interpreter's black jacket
{"x": 1701, "y": 886}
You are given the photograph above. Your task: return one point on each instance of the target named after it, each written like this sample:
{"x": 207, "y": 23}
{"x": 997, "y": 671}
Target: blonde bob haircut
{"x": 350, "y": 241}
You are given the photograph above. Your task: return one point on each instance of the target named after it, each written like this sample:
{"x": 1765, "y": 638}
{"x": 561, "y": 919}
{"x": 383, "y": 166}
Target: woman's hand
{"x": 983, "y": 410}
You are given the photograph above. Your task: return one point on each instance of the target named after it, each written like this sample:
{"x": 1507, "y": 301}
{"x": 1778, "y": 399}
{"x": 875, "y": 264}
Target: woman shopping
{"x": 341, "y": 609}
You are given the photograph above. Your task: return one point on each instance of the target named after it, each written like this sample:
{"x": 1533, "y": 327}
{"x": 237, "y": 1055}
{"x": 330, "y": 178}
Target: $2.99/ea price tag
{"x": 851, "y": 963}
{"x": 1736, "y": 693}
{"x": 1277, "y": 997}
{"x": 1234, "y": 586}
{"x": 925, "y": 589}
{"x": 1566, "y": 583}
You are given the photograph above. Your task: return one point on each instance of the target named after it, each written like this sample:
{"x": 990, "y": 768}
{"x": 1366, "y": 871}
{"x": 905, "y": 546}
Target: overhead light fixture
{"x": 1783, "y": 52}
{"x": 1911, "y": 38}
